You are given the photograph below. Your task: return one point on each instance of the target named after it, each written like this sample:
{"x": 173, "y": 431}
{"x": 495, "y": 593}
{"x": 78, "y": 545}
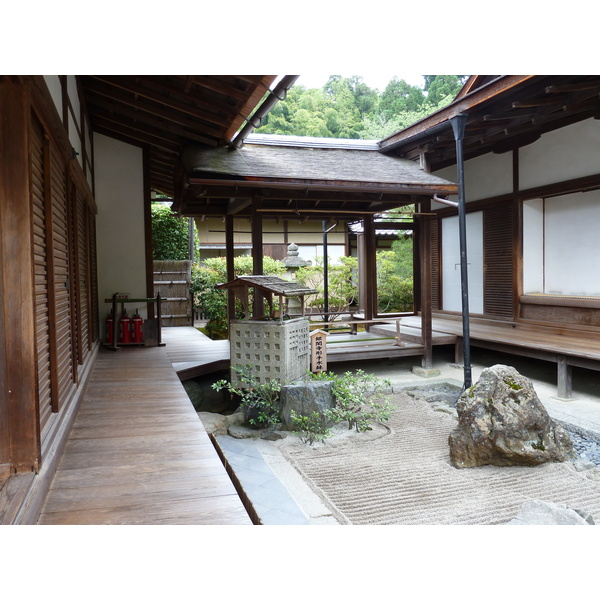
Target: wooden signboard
{"x": 318, "y": 354}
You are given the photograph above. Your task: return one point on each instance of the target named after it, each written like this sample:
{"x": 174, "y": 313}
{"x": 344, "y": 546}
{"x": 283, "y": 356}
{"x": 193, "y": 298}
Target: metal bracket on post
{"x": 458, "y": 123}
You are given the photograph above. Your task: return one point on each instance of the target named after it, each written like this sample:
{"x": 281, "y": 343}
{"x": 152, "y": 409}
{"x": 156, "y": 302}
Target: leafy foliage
{"x": 260, "y": 401}
{"x": 170, "y": 234}
{"x": 213, "y": 302}
{"x": 361, "y": 399}
{"x": 312, "y": 428}
{"x": 349, "y": 108}
{"x": 342, "y": 286}
{"x": 395, "y": 291}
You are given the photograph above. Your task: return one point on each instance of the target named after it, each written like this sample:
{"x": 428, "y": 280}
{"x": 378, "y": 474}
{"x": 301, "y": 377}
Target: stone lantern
{"x": 293, "y": 262}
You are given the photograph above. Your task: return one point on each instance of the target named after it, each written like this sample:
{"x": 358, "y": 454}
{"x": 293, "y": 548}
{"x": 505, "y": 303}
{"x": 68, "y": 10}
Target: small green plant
{"x": 260, "y": 401}
{"x": 311, "y": 429}
{"x": 361, "y": 399}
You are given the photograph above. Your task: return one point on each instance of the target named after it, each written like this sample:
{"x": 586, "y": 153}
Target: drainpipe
{"x": 326, "y": 269}
{"x": 325, "y": 273}
{"x": 458, "y": 126}
{"x": 276, "y": 94}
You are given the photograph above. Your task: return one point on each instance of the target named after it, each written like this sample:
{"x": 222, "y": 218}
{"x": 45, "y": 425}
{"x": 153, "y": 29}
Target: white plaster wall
{"x": 54, "y": 87}
{"x": 560, "y": 155}
{"x": 485, "y": 176}
{"x": 120, "y": 222}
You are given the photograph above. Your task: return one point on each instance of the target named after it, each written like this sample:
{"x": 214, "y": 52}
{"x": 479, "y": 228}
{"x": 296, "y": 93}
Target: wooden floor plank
{"x": 138, "y": 453}
{"x": 225, "y": 510}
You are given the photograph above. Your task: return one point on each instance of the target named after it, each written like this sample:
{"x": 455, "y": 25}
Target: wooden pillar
{"x": 257, "y": 255}
{"x": 147, "y": 238}
{"x": 229, "y": 246}
{"x": 362, "y": 278}
{"x": 370, "y": 268}
{"x": 425, "y": 303}
{"x": 18, "y": 391}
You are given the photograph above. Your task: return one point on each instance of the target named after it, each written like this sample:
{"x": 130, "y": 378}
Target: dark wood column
{"x": 370, "y": 268}
{"x": 18, "y": 398}
{"x": 425, "y": 292}
{"x": 257, "y": 254}
{"x": 147, "y": 237}
{"x": 229, "y": 246}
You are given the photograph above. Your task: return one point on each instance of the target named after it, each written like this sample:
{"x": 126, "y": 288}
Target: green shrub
{"x": 260, "y": 401}
{"x": 361, "y": 399}
{"x": 312, "y": 428}
{"x": 213, "y": 302}
{"x": 170, "y": 234}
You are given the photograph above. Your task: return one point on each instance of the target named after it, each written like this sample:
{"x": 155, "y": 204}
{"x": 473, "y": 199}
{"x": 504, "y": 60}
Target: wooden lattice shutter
{"x": 62, "y": 277}
{"x": 94, "y": 310}
{"x": 82, "y": 275}
{"x": 498, "y": 225}
{"x": 42, "y": 312}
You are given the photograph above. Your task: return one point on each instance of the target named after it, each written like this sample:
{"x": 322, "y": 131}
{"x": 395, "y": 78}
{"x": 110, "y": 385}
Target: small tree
{"x": 342, "y": 288}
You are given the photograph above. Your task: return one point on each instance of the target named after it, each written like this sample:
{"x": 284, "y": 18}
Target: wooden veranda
{"x": 139, "y": 454}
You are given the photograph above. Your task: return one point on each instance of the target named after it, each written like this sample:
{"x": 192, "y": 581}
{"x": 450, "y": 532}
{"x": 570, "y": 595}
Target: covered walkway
{"x": 138, "y": 454}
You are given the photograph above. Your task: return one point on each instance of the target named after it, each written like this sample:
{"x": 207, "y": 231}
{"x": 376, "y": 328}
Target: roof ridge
{"x": 298, "y": 141}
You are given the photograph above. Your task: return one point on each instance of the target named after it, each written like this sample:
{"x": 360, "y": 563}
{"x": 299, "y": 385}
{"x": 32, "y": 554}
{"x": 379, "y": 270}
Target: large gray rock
{"x": 304, "y": 398}
{"x": 502, "y": 422}
{"x": 538, "y": 512}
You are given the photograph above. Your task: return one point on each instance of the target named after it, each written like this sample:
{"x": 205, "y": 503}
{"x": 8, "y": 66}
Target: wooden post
{"x": 370, "y": 270}
{"x": 257, "y": 256}
{"x": 565, "y": 377}
{"x": 318, "y": 351}
{"x": 229, "y": 246}
{"x": 362, "y": 278}
{"x": 148, "y": 233}
{"x": 425, "y": 247}
{"x": 18, "y": 390}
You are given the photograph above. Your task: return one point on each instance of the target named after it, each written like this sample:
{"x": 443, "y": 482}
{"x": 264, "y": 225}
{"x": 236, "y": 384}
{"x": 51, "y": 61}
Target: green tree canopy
{"x": 346, "y": 107}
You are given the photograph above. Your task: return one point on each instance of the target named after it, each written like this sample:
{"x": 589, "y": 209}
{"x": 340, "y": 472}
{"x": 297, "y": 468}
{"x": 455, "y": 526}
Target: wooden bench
{"x": 566, "y": 348}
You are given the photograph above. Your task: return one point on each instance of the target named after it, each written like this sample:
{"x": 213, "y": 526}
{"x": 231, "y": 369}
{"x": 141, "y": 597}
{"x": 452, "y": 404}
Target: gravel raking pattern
{"x": 405, "y": 477}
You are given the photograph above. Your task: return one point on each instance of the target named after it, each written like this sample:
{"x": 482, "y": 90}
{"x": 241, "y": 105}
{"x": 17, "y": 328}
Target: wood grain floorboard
{"x": 138, "y": 453}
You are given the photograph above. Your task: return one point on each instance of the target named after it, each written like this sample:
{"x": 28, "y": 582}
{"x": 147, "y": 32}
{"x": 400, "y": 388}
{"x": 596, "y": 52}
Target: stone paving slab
{"x": 269, "y": 497}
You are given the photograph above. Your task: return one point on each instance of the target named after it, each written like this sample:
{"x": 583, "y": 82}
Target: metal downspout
{"x": 275, "y": 95}
{"x": 458, "y": 126}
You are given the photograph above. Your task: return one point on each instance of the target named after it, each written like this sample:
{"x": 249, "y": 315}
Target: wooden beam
{"x": 573, "y": 87}
{"x": 555, "y": 100}
{"x": 151, "y": 90}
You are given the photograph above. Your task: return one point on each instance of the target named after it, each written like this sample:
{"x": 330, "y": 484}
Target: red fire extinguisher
{"x": 125, "y": 328}
{"x": 136, "y": 325}
{"x": 109, "y": 328}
